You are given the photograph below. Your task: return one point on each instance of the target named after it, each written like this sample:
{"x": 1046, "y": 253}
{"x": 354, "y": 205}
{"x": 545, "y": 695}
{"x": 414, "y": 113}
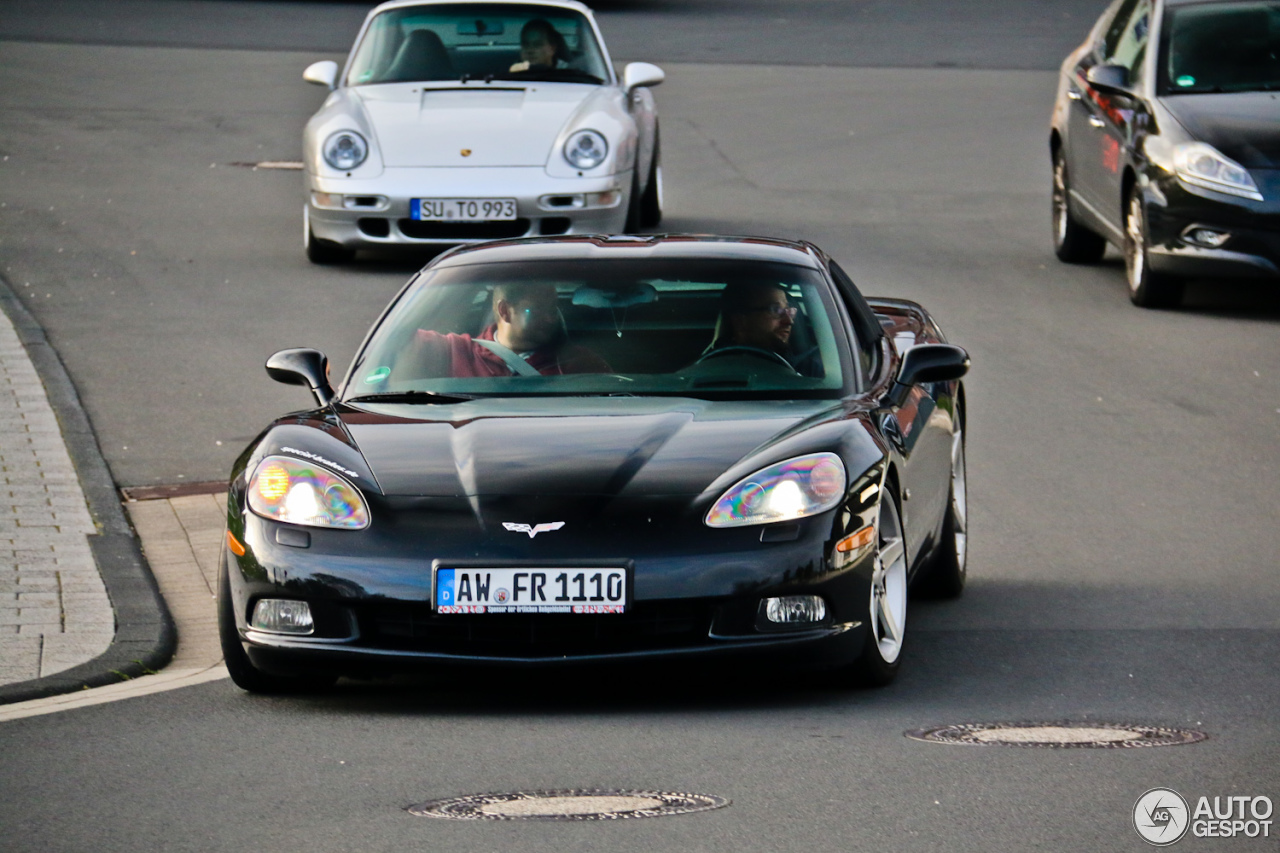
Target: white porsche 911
{"x": 460, "y": 122}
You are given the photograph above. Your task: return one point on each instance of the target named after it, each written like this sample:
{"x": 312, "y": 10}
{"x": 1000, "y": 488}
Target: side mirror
{"x": 926, "y": 363}
{"x": 324, "y": 73}
{"x": 638, "y": 74}
{"x": 1112, "y": 79}
{"x": 302, "y": 366}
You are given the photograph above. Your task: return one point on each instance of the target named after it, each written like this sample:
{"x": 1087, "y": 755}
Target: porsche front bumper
{"x": 375, "y": 212}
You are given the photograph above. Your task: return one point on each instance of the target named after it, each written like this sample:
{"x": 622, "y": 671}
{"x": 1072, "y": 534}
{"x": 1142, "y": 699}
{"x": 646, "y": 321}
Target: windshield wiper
{"x": 409, "y": 397}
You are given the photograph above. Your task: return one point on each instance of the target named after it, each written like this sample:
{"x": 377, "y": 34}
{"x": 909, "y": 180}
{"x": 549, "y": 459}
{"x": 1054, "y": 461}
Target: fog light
{"x": 282, "y": 616}
{"x": 1209, "y": 238}
{"x": 793, "y": 609}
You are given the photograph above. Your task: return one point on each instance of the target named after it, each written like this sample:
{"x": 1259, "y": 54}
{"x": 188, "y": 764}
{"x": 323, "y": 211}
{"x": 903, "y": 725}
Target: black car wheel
{"x": 326, "y": 252}
{"x": 242, "y": 671}
{"x": 1072, "y": 242}
{"x": 651, "y": 202}
{"x": 949, "y": 565}
{"x": 887, "y": 607}
{"x": 1147, "y": 288}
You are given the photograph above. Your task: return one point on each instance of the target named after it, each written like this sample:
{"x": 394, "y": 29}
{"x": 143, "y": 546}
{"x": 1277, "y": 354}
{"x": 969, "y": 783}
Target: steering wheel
{"x": 777, "y": 360}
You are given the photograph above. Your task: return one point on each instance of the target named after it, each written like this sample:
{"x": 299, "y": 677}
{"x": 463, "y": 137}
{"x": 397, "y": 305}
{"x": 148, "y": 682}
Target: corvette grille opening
{"x": 415, "y": 230}
{"x": 647, "y": 626}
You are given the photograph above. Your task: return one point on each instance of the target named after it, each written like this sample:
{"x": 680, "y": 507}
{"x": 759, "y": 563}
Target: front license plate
{"x": 531, "y": 590}
{"x": 462, "y": 209}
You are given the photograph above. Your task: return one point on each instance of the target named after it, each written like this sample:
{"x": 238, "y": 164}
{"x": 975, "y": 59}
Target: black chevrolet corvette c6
{"x": 601, "y": 449}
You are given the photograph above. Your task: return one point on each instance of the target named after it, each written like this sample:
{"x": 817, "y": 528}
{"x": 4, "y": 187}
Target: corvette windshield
{"x": 465, "y": 42}
{"x": 703, "y": 328}
{"x": 1222, "y": 47}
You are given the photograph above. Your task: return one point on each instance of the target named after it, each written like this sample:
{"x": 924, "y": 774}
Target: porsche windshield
{"x": 480, "y": 42}
{"x": 1222, "y": 47}
{"x": 704, "y": 328}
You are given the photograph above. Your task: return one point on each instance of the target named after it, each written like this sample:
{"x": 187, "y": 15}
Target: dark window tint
{"x": 865, "y": 324}
{"x": 1221, "y": 47}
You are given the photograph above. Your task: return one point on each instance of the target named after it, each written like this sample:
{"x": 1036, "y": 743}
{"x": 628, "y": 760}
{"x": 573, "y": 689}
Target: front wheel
{"x": 887, "y": 605}
{"x": 245, "y": 675}
{"x": 323, "y": 252}
{"x": 1147, "y": 288}
{"x": 945, "y": 576}
{"x": 1072, "y": 242}
{"x": 651, "y": 202}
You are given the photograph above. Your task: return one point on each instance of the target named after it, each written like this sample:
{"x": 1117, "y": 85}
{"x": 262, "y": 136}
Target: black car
{"x": 600, "y": 449}
{"x": 1166, "y": 142}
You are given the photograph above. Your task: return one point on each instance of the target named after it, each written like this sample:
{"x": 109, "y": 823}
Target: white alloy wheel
{"x": 888, "y": 606}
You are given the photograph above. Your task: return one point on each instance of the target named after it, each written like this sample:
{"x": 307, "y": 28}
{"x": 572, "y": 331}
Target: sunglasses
{"x": 776, "y": 311}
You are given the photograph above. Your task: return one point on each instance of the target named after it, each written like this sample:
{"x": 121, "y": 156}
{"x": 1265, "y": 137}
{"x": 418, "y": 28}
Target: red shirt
{"x": 466, "y": 358}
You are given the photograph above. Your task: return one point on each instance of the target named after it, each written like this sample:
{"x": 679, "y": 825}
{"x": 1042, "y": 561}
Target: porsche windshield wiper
{"x": 410, "y": 397}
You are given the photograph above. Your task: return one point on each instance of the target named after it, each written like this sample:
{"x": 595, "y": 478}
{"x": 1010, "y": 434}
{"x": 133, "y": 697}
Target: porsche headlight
{"x": 1202, "y": 165}
{"x": 796, "y": 488}
{"x": 345, "y": 150}
{"x": 586, "y": 149}
{"x": 297, "y": 492}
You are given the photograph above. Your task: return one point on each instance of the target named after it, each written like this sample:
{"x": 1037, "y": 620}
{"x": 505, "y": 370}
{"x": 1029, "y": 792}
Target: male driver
{"x": 526, "y": 338}
{"x": 754, "y": 314}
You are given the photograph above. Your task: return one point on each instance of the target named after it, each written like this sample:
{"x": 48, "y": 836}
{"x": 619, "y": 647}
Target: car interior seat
{"x": 422, "y": 56}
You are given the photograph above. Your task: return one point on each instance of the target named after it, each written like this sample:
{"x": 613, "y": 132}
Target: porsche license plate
{"x": 462, "y": 209}
{"x": 531, "y": 590}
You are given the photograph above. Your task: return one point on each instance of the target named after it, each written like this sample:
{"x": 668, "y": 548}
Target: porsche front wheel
{"x": 651, "y": 201}
{"x": 245, "y": 675}
{"x": 324, "y": 252}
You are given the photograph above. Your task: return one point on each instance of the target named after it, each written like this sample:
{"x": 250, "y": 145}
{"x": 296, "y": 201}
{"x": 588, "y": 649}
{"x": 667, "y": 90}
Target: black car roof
{"x": 665, "y": 246}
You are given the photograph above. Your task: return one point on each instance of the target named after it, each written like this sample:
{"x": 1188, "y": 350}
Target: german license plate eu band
{"x": 462, "y": 209}
{"x": 531, "y": 590}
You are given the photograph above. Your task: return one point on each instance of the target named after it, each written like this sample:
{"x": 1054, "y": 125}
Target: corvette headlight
{"x": 345, "y": 150}
{"x": 297, "y": 492}
{"x": 1202, "y": 165}
{"x": 586, "y": 149}
{"x": 796, "y": 488}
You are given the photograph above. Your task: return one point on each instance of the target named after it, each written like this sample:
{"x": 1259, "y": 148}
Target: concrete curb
{"x": 145, "y": 638}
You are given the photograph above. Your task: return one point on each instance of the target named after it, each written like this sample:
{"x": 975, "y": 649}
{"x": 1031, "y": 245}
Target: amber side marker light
{"x": 234, "y": 545}
{"x": 854, "y": 541}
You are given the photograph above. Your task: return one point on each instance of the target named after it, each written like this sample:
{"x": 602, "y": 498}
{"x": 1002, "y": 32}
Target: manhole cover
{"x": 1058, "y": 735}
{"x": 568, "y": 805}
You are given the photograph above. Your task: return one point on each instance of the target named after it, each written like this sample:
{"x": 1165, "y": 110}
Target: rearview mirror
{"x": 302, "y": 366}
{"x": 323, "y": 73}
{"x": 927, "y": 363}
{"x": 638, "y": 74}
{"x": 1111, "y": 79}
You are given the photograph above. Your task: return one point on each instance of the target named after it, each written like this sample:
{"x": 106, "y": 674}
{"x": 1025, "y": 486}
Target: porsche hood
{"x": 477, "y": 124}
{"x": 616, "y": 448}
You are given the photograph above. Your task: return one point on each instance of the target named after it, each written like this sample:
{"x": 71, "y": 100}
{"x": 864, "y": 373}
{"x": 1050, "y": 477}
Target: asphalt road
{"x": 1123, "y": 465}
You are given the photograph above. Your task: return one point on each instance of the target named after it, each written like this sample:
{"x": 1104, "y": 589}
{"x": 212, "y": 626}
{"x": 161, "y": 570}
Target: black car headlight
{"x": 785, "y": 491}
{"x": 1202, "y": 165}
{"x": 297, "y": 492}
{"x": 345, "y": 150}
{"x": 586, "y": 149}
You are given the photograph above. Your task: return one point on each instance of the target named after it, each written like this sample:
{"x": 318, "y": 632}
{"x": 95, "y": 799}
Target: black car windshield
{"x": 1221, "y": 47}
{"x": 705, "y": 328}
{"x": 489, "y": 41}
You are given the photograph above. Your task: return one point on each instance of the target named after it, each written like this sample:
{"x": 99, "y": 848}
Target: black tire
{"x": 243, "y": 672}
{"x": 327, "y": 252}
{"x": 651, "y": 201}
{"x": 887, "y": 608}
{"x": 1072, "y": 242}
{"x": 1147, "y": 289}
{"x": 945, "y": 575}
{"x": 633, "y": 206}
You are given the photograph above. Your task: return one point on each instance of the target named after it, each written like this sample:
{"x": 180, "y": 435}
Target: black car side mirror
{"x": 926, "y": 363}
{"x": 302, "y": 366}
{"x": 1111, "y": 79}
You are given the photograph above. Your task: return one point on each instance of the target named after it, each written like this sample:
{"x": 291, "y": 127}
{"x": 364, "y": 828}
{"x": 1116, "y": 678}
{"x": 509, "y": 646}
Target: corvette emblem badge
{"x": 533, "y": 530}
{"x": 466, "y": 152}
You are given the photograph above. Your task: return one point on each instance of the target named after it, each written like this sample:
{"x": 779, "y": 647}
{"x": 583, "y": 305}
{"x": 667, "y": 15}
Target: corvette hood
{"x": 500, "y": 124}
{"x": 607, "y": 447}
{"x": 1243, "y": 125}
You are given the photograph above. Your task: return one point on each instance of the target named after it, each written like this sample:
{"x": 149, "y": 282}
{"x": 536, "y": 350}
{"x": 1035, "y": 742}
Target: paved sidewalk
{"x": 78, "y": 607}
{"x": 54, "y": 609}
